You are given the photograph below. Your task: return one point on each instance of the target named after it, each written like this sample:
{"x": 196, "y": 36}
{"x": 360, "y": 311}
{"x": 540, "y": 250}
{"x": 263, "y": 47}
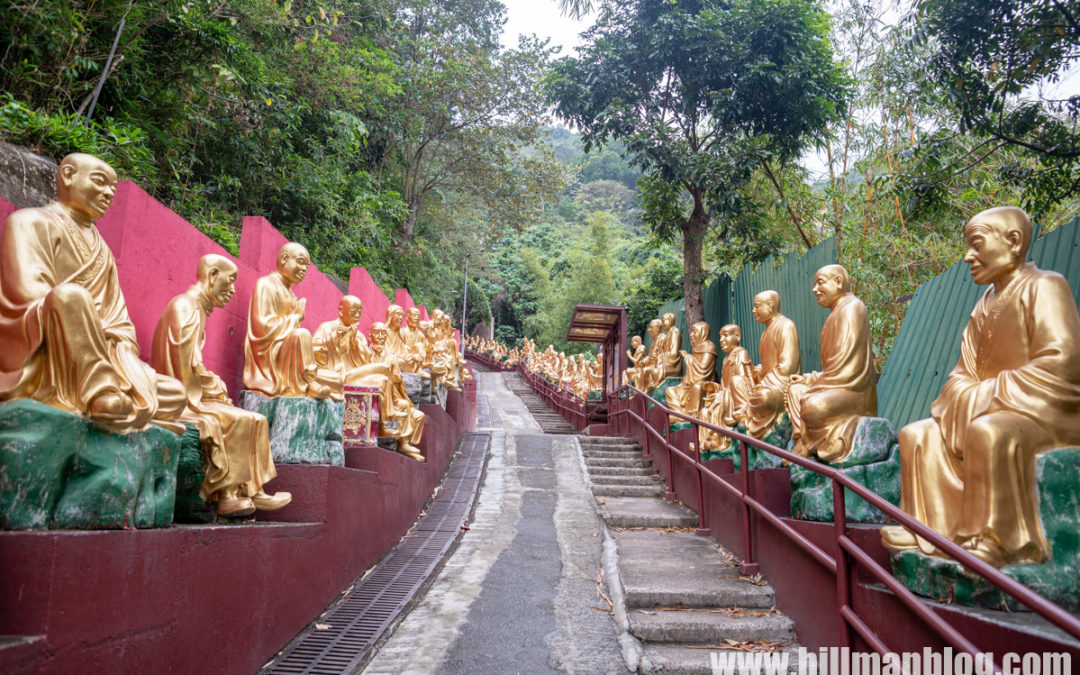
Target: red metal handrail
{"x": 847, "y": 552}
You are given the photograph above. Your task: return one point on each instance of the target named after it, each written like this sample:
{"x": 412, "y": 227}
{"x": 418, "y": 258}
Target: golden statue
{"x": 278, "y": 357}
{"x": 671, "y": 350}
{"x": 432, "y": 362}
{"x": 700, "y": 368}
{"x": 414, "y": 339}
{"x": 651, "y": 373}
{"x": 636, "y": 357}
{"x": 779, "y": 351}
{"x": 411, "y": 425}
{"x": 66, "y": 335}
{"x": 727, "y": 400}
{"x": 968, "y": 472}
{"x": 825, "y": 407}
{"x": 395, "y": 343}
{"x": 340, "y": 347}
{"x": 236, "y": 441}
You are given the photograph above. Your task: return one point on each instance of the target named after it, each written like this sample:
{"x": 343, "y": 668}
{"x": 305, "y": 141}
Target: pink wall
{"x": 157, "y": 253}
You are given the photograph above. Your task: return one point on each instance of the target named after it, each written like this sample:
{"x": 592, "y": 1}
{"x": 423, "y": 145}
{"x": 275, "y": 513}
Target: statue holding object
{"x": 779, "y": 351}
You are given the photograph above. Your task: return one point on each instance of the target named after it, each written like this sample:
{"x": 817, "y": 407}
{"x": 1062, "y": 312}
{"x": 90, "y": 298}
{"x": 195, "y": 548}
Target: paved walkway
{"x": 518, "y": 594}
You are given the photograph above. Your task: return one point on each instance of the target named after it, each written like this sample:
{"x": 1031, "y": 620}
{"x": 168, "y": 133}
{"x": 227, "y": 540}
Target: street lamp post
{"x": 464, "y": 303}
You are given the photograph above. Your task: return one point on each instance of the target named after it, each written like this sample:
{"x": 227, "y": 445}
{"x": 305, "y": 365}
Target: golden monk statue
{"x": 968, "y": 472}
{"x": 726, "y": 403}
{"x": 395, "y": 343}
{"x": 66, "y": 335}
{"x": 278, "y": 357}
{"x": 671, "y": 350}
{"x": 339, "y": 346}
{"x": 636, "y": 357}
{"x": 236, "y": 441}
{"x": 779, "y": 351}
{"x": 825, "y": 407}
{"x": 651, "y": 373}
{"x": 700, "y": 368}
{"x": 413, "y": 338}
{"x": 433, "y": 362}
{"x": 411, "y": 425}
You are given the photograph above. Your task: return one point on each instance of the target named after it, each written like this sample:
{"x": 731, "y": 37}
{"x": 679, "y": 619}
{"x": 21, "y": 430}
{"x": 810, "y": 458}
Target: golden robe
{"x": 278, "y": 356}
{"x": 779, "y": 351}
{"x": 346, "y": 353}
{"x": 969, "y": 471}
{"x": 651, "y": 373}
{"x": 826, "y": 407}
{"x": 411, "y": 425}
{"x": 672, "y": 359}
{"x": 685, "y": 397}
{"x": 726, "y": 406}
{"x": 64, "y": 327}
{"x": 637, "y": 360}
{"x": 236, "y": 441}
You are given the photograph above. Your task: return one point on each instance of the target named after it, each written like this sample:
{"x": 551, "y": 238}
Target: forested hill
{"x": 399, "y": 136}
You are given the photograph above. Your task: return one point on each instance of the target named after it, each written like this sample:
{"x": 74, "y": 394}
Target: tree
{"x": 703, "y": 93}
{"x": 997, "y": 62}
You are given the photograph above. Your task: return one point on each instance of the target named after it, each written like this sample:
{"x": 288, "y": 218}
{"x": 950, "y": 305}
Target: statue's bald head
{"x": 837, "y": 272}
{"x": 350, "y": 301}
{"x": 213, "y": 261}
{"x": 1004, "y": 220}
{"x": 80, "y": 161}
{"x": 292, "y": 250}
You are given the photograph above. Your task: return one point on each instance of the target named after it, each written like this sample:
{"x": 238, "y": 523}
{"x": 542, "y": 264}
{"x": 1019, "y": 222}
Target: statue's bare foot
{"x": 235, "y": 507}
{"x": 410, "y": 451}
{"x": 265, "y": 502}
{"x": 318, "y": 391}
{"x": 898, "y": 538}
{"x": 986, "y": 550}
{"x": 110, "y": 406}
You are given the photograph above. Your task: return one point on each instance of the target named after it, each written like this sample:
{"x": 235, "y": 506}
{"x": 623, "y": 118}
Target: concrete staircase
{"x": 550, "y": 421}
{"x": 684, "y": 597}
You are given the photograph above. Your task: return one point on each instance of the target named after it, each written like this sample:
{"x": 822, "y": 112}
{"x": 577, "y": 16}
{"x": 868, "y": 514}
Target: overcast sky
{"x": 542, "y": 17}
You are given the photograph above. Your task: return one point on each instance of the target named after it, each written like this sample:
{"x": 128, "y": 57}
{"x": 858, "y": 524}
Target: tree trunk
{"x": 693, "y": 231}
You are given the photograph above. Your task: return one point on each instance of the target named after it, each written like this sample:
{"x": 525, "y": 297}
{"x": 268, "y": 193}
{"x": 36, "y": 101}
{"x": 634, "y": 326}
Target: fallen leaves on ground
{"x": 727, "y": 611}
{"x": 323, "y": 626}
{"x": 762, "y": 646}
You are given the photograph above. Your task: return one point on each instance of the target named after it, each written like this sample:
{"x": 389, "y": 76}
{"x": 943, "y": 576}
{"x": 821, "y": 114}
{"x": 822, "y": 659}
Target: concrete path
{"x": 517, "y": 596}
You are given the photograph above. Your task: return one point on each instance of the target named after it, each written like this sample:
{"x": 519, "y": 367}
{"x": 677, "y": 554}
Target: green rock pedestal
{"x": 59, "y": 471}
{"x": 1057, "y": 579}
{"x": 190, "y": 473}
{"x": 302, "y": 430}
{"x": 660, "y": 393}
{"x": 874, "y": 462}
{"x": 780, "y": 436}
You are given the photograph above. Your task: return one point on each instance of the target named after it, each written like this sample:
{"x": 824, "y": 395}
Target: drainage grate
{"x": 361, "y": 617}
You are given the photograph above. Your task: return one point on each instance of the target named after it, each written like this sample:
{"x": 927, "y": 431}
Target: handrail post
{"x": 670, "y": 495}
{"x": 748, "y": 565}
{"x": 843, "y": 569}
{"x": 703, "y": 529}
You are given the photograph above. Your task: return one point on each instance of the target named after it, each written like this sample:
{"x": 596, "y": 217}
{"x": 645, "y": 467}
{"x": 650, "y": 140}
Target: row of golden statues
{"x": 68, "y": 342}
{"x": 582, "y": 376}
{"x": 968, "y": 470}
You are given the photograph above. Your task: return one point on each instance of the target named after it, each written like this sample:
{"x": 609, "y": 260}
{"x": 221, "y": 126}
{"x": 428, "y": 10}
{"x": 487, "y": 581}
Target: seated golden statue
{"x": 968, "y": 472}
{"x": 779, "y": 351}
{"x": 651, "y": 373}
{"x": 671, "y": 350}
{"x": 825, "y": 407}
{"x": 66, "y": 335}
{"x": 278, "y": 358}
{"x": 636, "y": 357}
{"x": 410, "y": 427}
{"x": 395, "y": 343}
{"x": 236, "y": 441}
{"x": 414, "y": 339}
{"x": 726, "y": 403}
{"x": 432, "y": 362}
{"x": 456, "y": 373}
{"x": 340, "y": 347}
{"x": 700, "y": 368}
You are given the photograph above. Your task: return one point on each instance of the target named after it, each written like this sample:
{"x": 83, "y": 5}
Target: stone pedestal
{"x": 59, "y": 471}
{"x": 419, "y": 390}
{"x": 302, "y": 430}
{"x": 660, "y": 393}
{"x": 190, "y": 474}
{"x": 874, "y": 461}
{"x": 1057, "y": 579}
{"x": 779, "y": 436}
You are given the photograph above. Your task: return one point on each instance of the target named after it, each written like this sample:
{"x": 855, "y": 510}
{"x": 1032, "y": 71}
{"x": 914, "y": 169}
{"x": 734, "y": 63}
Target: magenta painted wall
{"x": 157, "y": 252}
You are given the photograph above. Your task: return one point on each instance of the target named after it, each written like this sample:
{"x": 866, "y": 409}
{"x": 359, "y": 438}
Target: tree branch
{"x": 791, "y": 212}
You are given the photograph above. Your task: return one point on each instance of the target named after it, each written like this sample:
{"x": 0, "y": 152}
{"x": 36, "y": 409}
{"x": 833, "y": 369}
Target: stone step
{"x": 607, "y": 440}
{"x": 602, "y": 479}
{"x": 597, "y": 471}
{"x": 628, "y": 490}
{"x": 612, "y": 454}
{"x": 628, "y": 462}
{"x": 644, "y": 512}
{"x": 680, "y": 569}
{"x": 702, "y": 627}
{"x": 675, "y": 659}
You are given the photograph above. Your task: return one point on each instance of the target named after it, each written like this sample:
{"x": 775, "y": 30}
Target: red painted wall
{"x": 157, "y": 253}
